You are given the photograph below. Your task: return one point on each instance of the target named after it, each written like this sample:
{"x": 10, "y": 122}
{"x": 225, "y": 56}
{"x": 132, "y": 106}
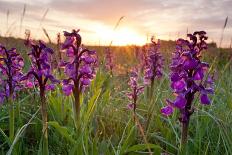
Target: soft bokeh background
{"x": 167, "y": 19}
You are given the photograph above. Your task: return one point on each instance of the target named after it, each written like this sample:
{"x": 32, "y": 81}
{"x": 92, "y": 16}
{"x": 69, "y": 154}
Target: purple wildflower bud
{"x": 167, "y": 110}
{"x": 205, "y": 99}
{"x": 199, "y": 74}
{"x": 209, "y": 80}
{"x": 29, "y": 84}
{"x": 178, "y": 85}
{"x": 174, "y": 77}
{"x": 129, "y": 95}
{"x": 131, "y": 106}
{"x": 180, "y": 102}
{"x": 85, "y": 69}
{"x": 70, "y": 52}
{"x": 68, "y": 42}
{"x": 85, "y": 81}
{"x": 89, "y": 59}
{"x": 67, "y": 89}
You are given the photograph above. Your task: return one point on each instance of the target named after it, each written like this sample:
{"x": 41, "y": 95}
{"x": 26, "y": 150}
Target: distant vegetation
{"x": 97, "y": 109}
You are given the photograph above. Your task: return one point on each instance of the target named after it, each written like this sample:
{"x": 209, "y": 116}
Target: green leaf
{"x": 5, "y": 136}
{"x": 62, "y": 130}
{"x": 92, "y": 104}
{"x": 142, "y": 147}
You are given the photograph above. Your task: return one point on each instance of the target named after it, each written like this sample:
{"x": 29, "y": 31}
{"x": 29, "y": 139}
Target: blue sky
{"x": 166, "y": 19}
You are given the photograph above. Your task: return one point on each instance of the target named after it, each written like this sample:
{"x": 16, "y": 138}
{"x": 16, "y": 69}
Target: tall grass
{"x": 106, "y": 126}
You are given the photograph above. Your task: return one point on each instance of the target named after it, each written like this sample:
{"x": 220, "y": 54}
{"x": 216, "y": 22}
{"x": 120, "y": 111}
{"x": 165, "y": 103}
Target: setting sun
{"x": 121, "y": 36}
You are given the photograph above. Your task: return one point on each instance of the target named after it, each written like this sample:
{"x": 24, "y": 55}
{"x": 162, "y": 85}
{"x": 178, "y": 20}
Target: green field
{"x": 107, "y": 126}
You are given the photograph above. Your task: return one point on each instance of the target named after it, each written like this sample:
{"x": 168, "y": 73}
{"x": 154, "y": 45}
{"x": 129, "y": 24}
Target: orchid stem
{"x": 11, "y": 118}
{"x": 44, "y": 119}
{"x": 76, "y": 108}
{"x": 184, "y": 134}
{"x": 184, "y": 137}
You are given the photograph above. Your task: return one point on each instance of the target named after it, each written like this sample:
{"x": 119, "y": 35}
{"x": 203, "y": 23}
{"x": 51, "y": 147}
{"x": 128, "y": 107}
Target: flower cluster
{"x": 40, "y": 72}
{"x": 109, "y": 60}
{"x": 143, "y": 57}
{"x": 80, "y": 67}
{"x": 154, "y": 63}
{"x": 189, "y": 75}
{"x": 136, "y": 90}
{"x": 11, "y": 64}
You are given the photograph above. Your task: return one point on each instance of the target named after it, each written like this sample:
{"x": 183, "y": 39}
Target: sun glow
{"x": 120, "y": 37}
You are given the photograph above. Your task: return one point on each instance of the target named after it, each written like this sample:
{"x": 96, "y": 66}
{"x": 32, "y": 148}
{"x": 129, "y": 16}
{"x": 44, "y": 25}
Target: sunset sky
{"x": 166, "y": 19}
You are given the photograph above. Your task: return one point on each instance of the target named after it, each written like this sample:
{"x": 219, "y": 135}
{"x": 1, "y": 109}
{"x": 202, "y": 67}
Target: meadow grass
{"x": 107, "y": 126}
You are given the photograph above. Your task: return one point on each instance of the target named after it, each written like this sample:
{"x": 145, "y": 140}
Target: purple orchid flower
{"x": 80, "y": 69}
{"x": 11, "y": 64}
{"x": 154, "y": 65}
{"x": 189, "y": 76}
{"x": 153, "y": 68}
{"x": 40, "y": 75}
{"x": 109, "y": 60}
{"x": 136, "y": 90}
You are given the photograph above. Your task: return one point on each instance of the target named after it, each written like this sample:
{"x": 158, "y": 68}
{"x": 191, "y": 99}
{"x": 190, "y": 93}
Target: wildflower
{"x": 143, "y": 57}
{"x": 80, "y": 69}
{"x": 136, "y": 90}
{"x": 11, "y": 64}
{"x": 40, "y": 75}
{"x": 189, "y": 76}
{"x": 153, "y": 65}
{"x": 109, "y": 60}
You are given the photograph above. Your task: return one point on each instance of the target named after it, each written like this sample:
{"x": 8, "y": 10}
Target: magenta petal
{"x": 29, "y": 84}
{"x": 86, "y": 70}
{"x": 130, "y": 106}
{"x": 67, "y": 89}
{"x": 205, "y": 99}
{"x": 209, "y": 80}
{"x": 178, "y": 85}
{"x": 168, "y": 110}
{"x": 70, "y": 52}
{"x": 199, "y": 75}
{"x": 130, "y": 95}
{"x": 85, "y": 81}
{"x": 174, "y": 77}
{"x": 190, "y": 64}
{"x": 50, "y": 87}
{"x": 180, "y": 102}
{"x": 89, "y": 59}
